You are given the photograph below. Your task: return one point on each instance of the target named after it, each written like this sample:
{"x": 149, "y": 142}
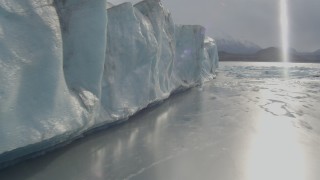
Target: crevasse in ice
{"x": 69, "y": 66}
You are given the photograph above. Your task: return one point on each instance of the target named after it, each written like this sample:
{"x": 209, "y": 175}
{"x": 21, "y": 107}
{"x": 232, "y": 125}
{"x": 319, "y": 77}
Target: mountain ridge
{"x": 271, "y": 54}
{"x": 235, "y": 46}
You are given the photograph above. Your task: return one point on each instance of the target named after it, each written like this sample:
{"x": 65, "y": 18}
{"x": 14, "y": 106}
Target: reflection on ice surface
{"x": 275, "y": 152}
{"x": 251, "y": 123}
{"x": 285, "y": 92}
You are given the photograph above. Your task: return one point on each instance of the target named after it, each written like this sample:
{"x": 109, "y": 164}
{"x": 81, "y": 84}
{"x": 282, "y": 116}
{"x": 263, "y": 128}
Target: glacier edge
{"x": 70, "y": 67}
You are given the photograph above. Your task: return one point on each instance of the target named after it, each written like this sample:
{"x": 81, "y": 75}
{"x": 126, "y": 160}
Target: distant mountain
{"x": 271, "y": 54}
{"x": 317, "y": 52}
{"x": 231, "y": 45}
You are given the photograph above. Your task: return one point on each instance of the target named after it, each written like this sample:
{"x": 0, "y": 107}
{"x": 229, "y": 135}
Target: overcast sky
{"x": 252, "y": 20}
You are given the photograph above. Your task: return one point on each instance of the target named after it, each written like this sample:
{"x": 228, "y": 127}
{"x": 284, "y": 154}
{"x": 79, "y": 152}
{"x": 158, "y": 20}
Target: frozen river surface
{"x": 255, "y": 121}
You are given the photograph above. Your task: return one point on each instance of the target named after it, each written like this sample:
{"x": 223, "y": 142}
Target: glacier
{"x": 67, "y": 67}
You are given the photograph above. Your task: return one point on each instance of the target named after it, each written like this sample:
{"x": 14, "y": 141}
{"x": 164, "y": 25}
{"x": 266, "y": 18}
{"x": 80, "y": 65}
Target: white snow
{"x": 64, "y": 71}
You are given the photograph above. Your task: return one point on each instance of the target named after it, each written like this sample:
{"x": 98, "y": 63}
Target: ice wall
{"x": 34, "y": 101}
{"x": 210, "y": 59}
{"x": 163, "y": 28}
{"x": 130, "y": 80}
{"x": 190, "y": 49}
{"x": 109, "y": 5}
{"x": 196, "y": 56}
{"x": 64, "y": 71}
{"x": 83, "y": 26}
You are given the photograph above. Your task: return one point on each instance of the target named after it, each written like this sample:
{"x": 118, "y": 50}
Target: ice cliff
{"x": 69, "y": 66}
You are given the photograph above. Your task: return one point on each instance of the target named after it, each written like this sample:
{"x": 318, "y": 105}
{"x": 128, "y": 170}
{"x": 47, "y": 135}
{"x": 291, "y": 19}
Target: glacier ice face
{"x": 212, "y": 49}
{"x": 189, "y": 52}
{"x": 65, "y": 68}
{"x": 50, "y": 71}
{"x": 196, "y": 56}
{"x": 140, "y": 57}
{"x": 163, "y": 28}
{"x": 210, "y": 61}
{"x": 128, "y": 82}
{"x": 109, "y": 5}
{"x": 35, "y": 103}
{"x": 83, "y": 27}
